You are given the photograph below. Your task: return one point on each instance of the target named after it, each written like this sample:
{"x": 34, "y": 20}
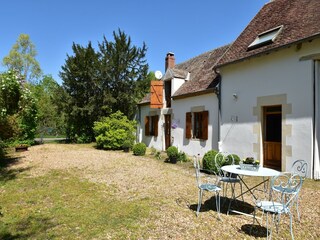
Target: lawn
{"x": 65, "y": 191}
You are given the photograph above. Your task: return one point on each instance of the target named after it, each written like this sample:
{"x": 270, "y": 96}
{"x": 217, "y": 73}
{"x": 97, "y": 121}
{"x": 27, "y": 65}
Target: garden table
{"x": 263, "y": 172}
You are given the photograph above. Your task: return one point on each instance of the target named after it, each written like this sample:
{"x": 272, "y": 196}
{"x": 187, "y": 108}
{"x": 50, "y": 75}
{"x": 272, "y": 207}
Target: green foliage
{"x": 2, "y": 149}
{"x": 158, "y": 155}
{"x": 139, "y": 149}
{"x": 113, "y": 131}
{"x": 21, "y": 59}
{"x": 99, "y": 83}
{"x": 208, "y": 160}
{"x": 127, "y": 144}
{"x": 173, "y": 153}
{"x": 48, "y": 96}
{"x": 235, "y": 157}
{"x": 153, "y": 150}
{"x": 18, "y": 110}
{"x": 182, "y": 157}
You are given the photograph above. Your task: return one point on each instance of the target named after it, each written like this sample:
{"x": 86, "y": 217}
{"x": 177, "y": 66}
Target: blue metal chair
{"x": 210, "y": 186}
{"x": 284, "y": 189}
{"x": 227, "y": 178}
{"x": 299, "y": 167}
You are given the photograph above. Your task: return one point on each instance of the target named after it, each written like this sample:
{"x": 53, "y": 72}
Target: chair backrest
{"x": 285, "y": 187}
{"x": 300, "y": 167}
{"x": 219, "y": 161}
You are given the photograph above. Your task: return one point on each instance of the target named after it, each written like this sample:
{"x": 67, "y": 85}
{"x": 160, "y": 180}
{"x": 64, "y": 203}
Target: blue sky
{"x": 185, "y": 27}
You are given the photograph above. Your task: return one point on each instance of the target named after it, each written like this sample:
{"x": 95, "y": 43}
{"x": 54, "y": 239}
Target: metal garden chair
{"x": 299, "y": 167}
{"x": 227, "y": 178}
{"x": 210, "y": 186}
{"x": 284, "y": 189}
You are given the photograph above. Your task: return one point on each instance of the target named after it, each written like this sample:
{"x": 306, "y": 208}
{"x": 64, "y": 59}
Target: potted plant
{"x": 21, "y": 147}
{"x": 250, "y": 164}
{"x": 173, "y": 154}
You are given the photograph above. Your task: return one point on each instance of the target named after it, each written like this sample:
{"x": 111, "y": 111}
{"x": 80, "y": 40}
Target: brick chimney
{"x": 170, "y": 60}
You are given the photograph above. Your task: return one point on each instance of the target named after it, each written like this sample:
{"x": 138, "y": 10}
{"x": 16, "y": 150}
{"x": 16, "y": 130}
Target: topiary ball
{"x": 139, "y": 149}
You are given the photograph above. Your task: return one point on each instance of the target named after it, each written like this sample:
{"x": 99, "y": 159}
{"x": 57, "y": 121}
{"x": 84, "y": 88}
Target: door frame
{"x": 272, "y": 150}
{"x": 167, "y": 130}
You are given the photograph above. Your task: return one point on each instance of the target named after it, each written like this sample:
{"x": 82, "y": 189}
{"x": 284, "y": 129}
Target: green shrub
{"x": 173, "y": 153}
{"x": 158, "y": 155}
{"x": 236, "y": 159}
{"x": 139, "y": 149}
{"x": 2, "y": 149}
{"x": 182, "y": 157}
{"x": 208, "y": 161}
{"x": 113, "y": 131}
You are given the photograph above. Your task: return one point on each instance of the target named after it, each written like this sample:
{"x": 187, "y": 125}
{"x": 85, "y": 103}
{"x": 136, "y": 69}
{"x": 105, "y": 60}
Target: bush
{"x": 235, "y": 157}
{"x": 113, "y": 131}
{"x": 2, "y": 149}
{"x": 182, "y": 157}
{"x": 139, "y": 149}
{"x": 208, "y": 161}
{"x": 173, "y": 153}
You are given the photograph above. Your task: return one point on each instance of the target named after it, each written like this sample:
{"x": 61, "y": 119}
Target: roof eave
{"x": 269, "y": 51}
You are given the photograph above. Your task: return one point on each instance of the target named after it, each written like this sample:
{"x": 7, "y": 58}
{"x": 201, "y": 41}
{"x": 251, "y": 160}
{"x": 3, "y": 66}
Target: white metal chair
{"x": 299, "y": 167}
{"x": 227, "y": 178}
{"x": 210, "y": 186}
{"x": 284, "y": 189}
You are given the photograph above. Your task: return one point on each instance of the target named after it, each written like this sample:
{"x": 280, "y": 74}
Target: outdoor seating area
{"x": 275, "y": 194}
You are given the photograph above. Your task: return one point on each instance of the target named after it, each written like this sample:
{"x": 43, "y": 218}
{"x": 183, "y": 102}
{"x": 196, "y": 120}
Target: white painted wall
{"x": 179, "y": 108}
{"x": 279, "y": 72}
{"x": 150, "y": 141}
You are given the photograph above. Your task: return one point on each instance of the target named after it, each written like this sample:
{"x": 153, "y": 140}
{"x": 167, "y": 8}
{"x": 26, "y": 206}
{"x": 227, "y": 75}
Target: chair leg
{"x": 218, "y": 204}
{"x": 291, "y": 227}
{"x": 297, "y": 207}
{"x": 199, "y": 201}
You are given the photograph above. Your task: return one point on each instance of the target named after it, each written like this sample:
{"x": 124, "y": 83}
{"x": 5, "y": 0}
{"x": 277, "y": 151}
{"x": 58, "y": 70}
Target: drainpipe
{"x": 218, "y": 93}
{"x": 315, "y": 159}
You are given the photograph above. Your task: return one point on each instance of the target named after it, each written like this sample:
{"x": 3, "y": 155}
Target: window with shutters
{"x": 197, "y": 125}
{"x": 151, "y": 125}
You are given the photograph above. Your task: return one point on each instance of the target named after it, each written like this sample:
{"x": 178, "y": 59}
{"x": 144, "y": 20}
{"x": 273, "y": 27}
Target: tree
{"x": 48, "y": 94}
{"x": 21, "y": 59}
{"x": 81, "y": 83}
{"x": 123, "y": 69}
{"x": 99, "y": 83}
{"x": 18, "y": 111}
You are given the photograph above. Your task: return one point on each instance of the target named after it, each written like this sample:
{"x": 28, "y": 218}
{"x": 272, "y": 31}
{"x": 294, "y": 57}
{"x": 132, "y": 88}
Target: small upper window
{"x": 265, "y": 38}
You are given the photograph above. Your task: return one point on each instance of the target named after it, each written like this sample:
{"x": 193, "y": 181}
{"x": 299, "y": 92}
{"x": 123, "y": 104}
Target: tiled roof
{"x": 202, "y": 75}
{"x": 300, "y": 20}
{"x": 201, "y": 69}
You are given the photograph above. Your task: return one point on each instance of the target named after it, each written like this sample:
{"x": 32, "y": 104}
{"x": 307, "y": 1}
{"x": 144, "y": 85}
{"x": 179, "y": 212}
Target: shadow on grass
{"x": 7, "y": 174}
{"x": 28, "y": 228}
{"x": 254, "y": 230}
{"x": 210, "y": 205}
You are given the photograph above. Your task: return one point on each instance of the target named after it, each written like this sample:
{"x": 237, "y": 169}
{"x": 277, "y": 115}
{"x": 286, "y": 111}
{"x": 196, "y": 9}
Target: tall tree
{"x": 22, "y": 59}
{"x": 102, "y": 82}
{"x": 123, "y": 67}
{"x": 48, "y": 94}
{"x": 80, "y": 81}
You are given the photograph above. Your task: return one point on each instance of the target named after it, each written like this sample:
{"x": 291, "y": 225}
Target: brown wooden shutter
{"x": 146, "y": 126}
{"x": 188, "y": 124}
{"x": 205, "y": 117}
{"x": 156, "y": 98}
{"x": 156, "y": 120}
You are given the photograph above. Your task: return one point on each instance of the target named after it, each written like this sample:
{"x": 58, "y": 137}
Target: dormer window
{"x": 265, "y": 38}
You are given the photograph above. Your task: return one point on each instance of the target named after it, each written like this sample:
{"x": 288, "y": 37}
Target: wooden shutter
{"x": 156, "y": 98}
{"x": 188, "y": 125}
{"x": 146, "y": 126}
{"x": 156, "y": 120}
{"x": 205, "y": 117}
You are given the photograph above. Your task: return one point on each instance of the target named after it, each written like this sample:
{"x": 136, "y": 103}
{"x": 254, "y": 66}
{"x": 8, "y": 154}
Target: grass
{"x": 74, "y": 191}
{"x": 60, "y": 205}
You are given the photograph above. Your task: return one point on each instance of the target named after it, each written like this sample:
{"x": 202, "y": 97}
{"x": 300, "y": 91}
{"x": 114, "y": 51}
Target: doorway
{"x": 272, "y": 136}
{"x": 167, "y": 130}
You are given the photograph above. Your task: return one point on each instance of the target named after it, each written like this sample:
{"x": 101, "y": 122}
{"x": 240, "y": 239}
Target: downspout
{"x": 218, "y": 93}
{"x": 315, "y": 159}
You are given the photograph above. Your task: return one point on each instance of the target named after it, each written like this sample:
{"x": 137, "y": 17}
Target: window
{"x": 197, "y": 125}
{"x": 265, "y": 38}
{"x": 151, "y": 125}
